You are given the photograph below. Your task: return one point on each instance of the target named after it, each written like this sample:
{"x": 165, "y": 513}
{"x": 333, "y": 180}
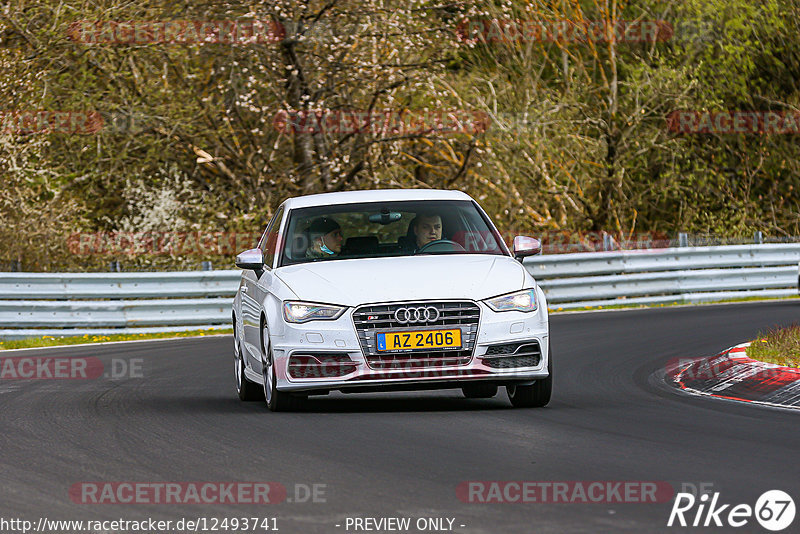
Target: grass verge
{"x": 780, "y": 346}
{"x": 558, "y": 309}
{"x": 50, "y": 341}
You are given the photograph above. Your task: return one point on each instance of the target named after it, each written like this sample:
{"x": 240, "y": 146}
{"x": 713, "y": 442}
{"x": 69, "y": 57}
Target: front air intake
{"x": 322, "y": 365}
{"x": 513, "y": 355}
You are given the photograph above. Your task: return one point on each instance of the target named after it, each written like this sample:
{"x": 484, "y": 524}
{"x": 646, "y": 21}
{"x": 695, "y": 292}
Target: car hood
{"x": 361, "y": 281}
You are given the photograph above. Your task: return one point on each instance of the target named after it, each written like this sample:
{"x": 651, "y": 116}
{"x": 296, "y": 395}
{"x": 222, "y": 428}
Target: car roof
{"x": 375, "y": 195}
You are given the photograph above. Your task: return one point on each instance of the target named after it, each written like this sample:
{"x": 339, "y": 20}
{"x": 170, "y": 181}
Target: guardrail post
{"x": 607, "y": 242}
{"x": 114, "y": 267}
{"x": 683, "y": 239}
{"x": 16, "y": 266}
{"x": 206, "y": 266}
{"x": 758, "y": 238}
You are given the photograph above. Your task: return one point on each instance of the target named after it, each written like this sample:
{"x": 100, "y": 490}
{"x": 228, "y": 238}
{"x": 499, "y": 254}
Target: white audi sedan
{"x": 388, "y": 290}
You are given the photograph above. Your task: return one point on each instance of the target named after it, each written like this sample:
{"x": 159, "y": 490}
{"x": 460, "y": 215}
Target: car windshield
{"x": 384, "y": 229}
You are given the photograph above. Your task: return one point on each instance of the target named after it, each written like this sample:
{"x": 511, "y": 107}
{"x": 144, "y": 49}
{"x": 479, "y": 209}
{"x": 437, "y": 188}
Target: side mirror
{"x": 251, "y": 259}
{"x": 526, "y": 246}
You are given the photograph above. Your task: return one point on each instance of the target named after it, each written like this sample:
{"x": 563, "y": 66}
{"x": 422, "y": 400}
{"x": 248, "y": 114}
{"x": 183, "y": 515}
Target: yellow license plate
{"x": 421, "y": 339}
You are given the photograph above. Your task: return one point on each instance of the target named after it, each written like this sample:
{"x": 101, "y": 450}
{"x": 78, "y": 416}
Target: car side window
{"x": 263, "y": 240}
{"x": 269, "y": 243}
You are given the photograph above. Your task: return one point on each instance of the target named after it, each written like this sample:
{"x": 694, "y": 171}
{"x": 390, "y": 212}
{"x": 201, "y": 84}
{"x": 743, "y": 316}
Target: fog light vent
{"x": 321, "y": 365}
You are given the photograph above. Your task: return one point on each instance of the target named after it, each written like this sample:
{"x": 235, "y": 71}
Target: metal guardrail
{"x": 119, "y": 313}
{"x": 38, "y": 304}
{"x": 77, "y": 304}
{"x": 118, "y": 285}
{"x": 673, "y": 275}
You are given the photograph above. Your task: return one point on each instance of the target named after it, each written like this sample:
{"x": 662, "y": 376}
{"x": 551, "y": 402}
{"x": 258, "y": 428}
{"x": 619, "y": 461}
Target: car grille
{"x": 380, "y": 318}
{"x": 512, "y": 355}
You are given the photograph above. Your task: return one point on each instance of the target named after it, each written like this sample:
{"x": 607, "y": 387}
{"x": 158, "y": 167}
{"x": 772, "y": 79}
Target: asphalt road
{"x": 404, "y": 454}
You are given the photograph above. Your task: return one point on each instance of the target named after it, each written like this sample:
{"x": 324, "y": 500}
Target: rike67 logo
{"x": 774, "y": 510}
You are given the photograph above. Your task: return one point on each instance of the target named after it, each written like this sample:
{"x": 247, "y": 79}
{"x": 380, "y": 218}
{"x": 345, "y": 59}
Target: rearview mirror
{"x": 251, "y": 259}
{"x": 526, "y": 246}
{"x": 385, "y": 217}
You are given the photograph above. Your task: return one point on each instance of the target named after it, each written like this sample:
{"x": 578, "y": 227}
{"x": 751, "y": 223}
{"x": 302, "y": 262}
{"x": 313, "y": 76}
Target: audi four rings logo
{"x": 422, "y": 314}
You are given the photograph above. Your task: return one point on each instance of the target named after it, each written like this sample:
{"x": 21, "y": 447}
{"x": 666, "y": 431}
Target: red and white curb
{"x": 732, "y": 375}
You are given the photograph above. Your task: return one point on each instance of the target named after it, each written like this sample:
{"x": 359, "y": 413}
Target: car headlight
{"x": 302, "y": 312}
{"x": 524, "y": 301}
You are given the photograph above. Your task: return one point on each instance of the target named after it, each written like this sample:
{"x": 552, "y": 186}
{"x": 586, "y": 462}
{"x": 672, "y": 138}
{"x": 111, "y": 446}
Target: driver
{"x": 324, "y": 237}
{"x": 427, "y": 228}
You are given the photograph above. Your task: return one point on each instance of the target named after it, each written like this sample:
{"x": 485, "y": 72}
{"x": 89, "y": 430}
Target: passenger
{"x": 324, "y": 238}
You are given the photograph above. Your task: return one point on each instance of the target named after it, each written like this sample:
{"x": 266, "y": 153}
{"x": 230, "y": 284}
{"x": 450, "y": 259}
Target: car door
{"x": 255, "y": 289}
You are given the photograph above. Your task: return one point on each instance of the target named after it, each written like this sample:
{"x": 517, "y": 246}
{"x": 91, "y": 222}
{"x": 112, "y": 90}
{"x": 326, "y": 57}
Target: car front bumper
{"x": 497, "y": 334}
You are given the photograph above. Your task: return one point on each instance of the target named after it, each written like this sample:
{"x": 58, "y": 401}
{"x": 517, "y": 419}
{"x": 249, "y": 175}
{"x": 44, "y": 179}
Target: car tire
{"x": 247, "y": 390}
{"x": 537, "y": 394}
{"x": 479, "y": 391}
{"x": 277, "y": 401}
